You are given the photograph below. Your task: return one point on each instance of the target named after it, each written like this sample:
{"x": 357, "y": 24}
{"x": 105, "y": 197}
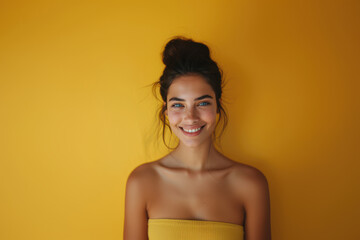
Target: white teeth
{"x": 192, "y": 130}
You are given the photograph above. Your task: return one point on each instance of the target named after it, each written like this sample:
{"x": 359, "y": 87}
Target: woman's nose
{"x": 190, "y": 113}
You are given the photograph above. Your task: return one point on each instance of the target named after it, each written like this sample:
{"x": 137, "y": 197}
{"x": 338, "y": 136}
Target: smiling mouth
{"x": 192, "y": 130}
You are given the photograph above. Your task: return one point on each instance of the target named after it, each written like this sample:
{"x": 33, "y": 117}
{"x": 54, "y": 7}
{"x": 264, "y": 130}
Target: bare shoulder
{"x": 251, "y": 185}
{"x": 248, "y": 179}
{"x": 143, "y": 174}
{"x": 138, "y": 186}
{"x": 247, "y": 172}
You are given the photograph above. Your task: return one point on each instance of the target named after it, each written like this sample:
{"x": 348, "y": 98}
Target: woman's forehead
{"x": 190, "y": 86}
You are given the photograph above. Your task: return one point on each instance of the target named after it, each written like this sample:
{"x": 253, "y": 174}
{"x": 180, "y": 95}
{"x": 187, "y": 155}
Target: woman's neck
{"x": 195, "y": 158}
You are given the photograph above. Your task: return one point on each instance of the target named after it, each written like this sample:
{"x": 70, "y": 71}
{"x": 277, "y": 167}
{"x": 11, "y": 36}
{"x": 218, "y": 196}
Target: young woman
{"x": 194, "y": 192}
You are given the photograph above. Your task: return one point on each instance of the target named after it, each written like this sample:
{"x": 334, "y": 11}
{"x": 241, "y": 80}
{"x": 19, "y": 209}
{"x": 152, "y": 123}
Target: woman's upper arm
{"x": 135, "y": 221}
{"x": 257, "y": 207}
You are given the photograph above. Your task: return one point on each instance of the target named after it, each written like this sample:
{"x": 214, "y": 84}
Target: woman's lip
{"x": 192, "y": 134}
{"x": 192, "y": 128}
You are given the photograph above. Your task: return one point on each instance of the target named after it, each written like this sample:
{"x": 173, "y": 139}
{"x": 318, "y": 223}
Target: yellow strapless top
{"x": 181, "y": 229}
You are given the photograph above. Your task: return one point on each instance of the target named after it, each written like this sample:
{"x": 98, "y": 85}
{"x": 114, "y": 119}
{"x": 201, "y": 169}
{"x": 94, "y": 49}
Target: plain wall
{"x": 76, "y": 115}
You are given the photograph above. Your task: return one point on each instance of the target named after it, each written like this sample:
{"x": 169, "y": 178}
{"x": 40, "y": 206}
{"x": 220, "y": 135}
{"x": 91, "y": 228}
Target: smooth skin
{"x": 195, "y": 181}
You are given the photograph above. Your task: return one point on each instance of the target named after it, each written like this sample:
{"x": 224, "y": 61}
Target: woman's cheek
{"x": 174, "y": 116}
{"x": 210, "y": 115}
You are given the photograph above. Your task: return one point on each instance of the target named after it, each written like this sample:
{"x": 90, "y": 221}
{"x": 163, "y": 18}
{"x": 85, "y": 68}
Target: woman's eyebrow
{"x": 196, "y": 99}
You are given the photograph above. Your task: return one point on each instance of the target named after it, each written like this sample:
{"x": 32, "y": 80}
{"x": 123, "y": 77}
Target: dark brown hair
{"x": 183, "y": 56}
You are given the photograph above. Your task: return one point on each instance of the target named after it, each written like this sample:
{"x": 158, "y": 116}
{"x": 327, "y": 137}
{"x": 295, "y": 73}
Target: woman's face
{"x": 191, "y": 110}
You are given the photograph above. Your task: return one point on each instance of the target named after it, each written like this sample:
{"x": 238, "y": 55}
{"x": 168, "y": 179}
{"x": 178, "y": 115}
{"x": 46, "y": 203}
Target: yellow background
{"x": 76, "y": 116}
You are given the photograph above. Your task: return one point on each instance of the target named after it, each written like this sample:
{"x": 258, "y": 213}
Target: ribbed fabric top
{"x": 181, "y": 229}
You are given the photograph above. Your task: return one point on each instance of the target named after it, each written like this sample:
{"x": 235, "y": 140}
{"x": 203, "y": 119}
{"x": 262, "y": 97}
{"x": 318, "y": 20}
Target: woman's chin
{"x": 194, "y": 143}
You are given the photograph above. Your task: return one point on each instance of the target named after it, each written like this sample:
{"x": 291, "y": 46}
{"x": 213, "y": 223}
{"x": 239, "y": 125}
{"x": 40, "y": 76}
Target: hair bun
{"x": 180, "y": 49}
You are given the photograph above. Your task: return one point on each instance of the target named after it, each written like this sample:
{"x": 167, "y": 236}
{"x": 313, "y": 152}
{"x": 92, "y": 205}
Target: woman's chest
{"x": 208, "y": 197}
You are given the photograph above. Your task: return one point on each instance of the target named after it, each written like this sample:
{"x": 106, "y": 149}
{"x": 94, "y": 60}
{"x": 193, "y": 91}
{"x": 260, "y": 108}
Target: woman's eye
{"x": 176, "y": 105}
{"x": 204, "y": 103}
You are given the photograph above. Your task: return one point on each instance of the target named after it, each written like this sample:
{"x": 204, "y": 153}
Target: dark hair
{"x": 183, "y": 56}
